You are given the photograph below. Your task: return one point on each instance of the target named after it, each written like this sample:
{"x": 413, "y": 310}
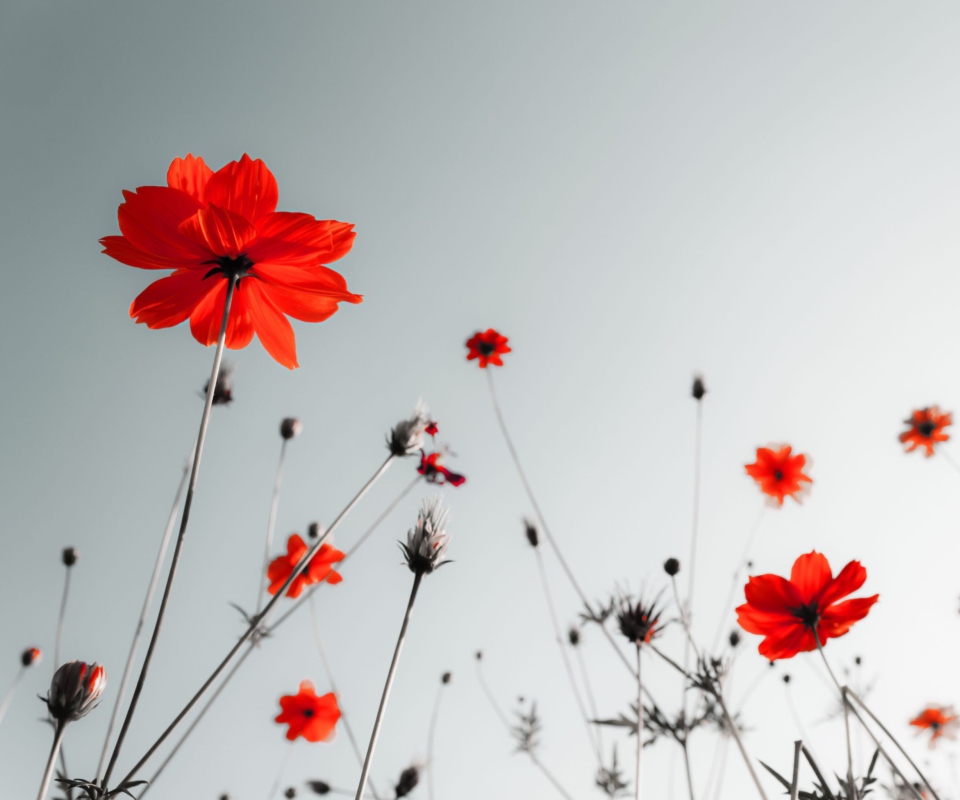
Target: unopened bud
{"x": 319, "y": 787}
{"x": 74, "y": 690}
{"x": 446, "y": 677}
{"x": 699, "y": 390}
{"x": 479, "y": 655}
{"x": 786, "y": 678}
{"x": 314, "y": 530}
{"x": 734, "y": 638}
{"x": 671, "y": 566}
{"x": 290, "y": 427}
{"x": 409, "y": 779}
{"x": 69, "y": 556}
{"x": 290, "y": 792}
{"x": 573, "y": 635}
{"x": 30, "y": 656}
{"x": 533, "y": 535}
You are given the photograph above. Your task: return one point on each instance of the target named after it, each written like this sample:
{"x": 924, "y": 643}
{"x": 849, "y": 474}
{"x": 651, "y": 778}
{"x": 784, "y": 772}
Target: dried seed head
{"x": 530, "y": 529}
{"x": 409, "y": 779}
{"x": 319, "y": 787}
{"x": 290, "y": 792}
{"x": 698, "y": 390}
{"x": 74, "y": 690}
{"x": 734, "y": 638}
{"x": 314, "y": 530}
{"x": 406, "y": 437}
{"x": 69, "y": 556}
{"x": 223, "y": 388}
{"x": 427, "y": 540}
{"x": 290, "y": 427}
{"x": 446, "y": 677}
{"x": 671, "y": 566}
{"x": 639, "y": 621}
{"x": 573, "y": 635}
{"x": 30, "y": 656}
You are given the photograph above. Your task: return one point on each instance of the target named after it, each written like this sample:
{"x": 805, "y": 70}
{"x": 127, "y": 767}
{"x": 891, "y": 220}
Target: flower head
{"x": 487, "y": 346}
{"x": 30, "y": 656}
{"x": 778, "y": 473}
{"x": 74, "y": 690}
{"x": 793, "y": 614}
{"x": 319, "y": 569}
{"x": 314, "y": 718}
{"x": 406, "y": 437}
{"x": 427, "y": 540}
{"x": 211, "y": 228}
{"x": 941, "y": 721}
{"x": 671, "y": 566}
{"x": 290, "y": 427}
{"x": 434, "y": 472}
{"x": 639, "y": 621}
{"x": 926, "y": 429}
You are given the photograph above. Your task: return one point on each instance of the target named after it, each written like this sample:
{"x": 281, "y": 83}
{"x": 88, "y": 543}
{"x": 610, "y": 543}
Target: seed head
{"x": 446, "y": 677}
{"x": 74, "y": 690}
{"x": 427, "y": 540}
{"x": 530, "y": 529}
{"x": 30, "y": 656}
{"x": 69, "y": 556}
{"x": 290, "y": 427}
{"x": 671, "y": 566}
{"x": 698, "y": 390}
{"x": 639, "y": 621}
{"x": 409, "y": 779}
{"x": 406, "y": 437}
{"x": 319, "y": 787}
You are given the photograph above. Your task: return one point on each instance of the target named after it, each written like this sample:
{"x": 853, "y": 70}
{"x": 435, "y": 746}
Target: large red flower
{"x": 314, "y": 718}
{"x": 926, "y": 429}
{"x": 487, "y": 346}
{"x": 319, "y": 569}
{"x": 787, "y": 612}
{"x": 778, "y": 473}
{"x": 210, "y": 227}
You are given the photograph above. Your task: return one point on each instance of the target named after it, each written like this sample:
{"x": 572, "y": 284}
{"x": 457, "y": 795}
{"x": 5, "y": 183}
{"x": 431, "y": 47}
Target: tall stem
{"x": 851, "y": 790}
{"x": 695, "y": 523}
{"x": 639, "y": 791}
{"x": 60, "y": 618}
{"x": 181, "y": 536}
{"x": 148, "y": 600}
{"x": 51, "y": 761}
{"x": 271, "y": 524}
{"x": 283, "y": 768}
{"x": 430, "y": 735}
{"x": 591, "y": 700}
{"x": 726, "y": 608}
{"x": 795, "y": 782}
{"x": 375, "y": 734}
{"x": 5, "y": 704}
{"x": 735, "y": 732}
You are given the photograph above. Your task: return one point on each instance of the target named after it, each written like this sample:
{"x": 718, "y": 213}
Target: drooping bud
{"x": 427, "y": 540}
{"x": 699, "y": 389}
{"x": 409, "y": 779}
{"x": 314, "y": 530}
{"x": 74, "y": 690}
{"x": 446, "y": 677}
{"x": 290, "y": 427}
{"x": 530, "y": 529}
{"x": 30, "y": 656}
{"x": 406, "y": 437}
{"x": 69, "y": 556}
{"x": 671, "y": 566}
{"x": 319, "y": 787}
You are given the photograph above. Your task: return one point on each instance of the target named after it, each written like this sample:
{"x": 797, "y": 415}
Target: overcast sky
{"x": 632, "y": 192}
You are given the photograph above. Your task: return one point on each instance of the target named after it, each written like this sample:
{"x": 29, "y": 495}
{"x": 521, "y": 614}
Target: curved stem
{"x": 639, "y": 791}
{"x": 51, "y": 761}
{"x": 549, "y": 776}
{"x": 5, "y": 704}
{"x": 851, "y": 789}
{"x": 271, "y": 524}
{"x": 430, "y": 735}
{"x": 60, "y": 618}
{"x": 181, "y": 536}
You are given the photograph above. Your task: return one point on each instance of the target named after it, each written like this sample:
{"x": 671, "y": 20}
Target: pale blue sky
{"x": 631, "y": 192}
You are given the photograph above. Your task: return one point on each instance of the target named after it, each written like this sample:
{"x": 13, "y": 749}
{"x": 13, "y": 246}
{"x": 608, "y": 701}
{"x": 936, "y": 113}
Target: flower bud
{"x": 427, "y": 541}
{"x": 314, "y": 530}
{"x": 671, "y": 566}
{"x": 786, "y": 678}
{"x": 290, "y": 427}
{"x": 699, "y": 390}
{"x": 290, "y": 792}
{"x": 479, "y": 655}
{"x": 573, "y": 635}
{"x": 74, "y": 690}
{"x": 409, "y": 779}
{"x": 319, "y": 787}
{"x": 69, "y": 556}
{"x": 533, "y": 535}
{"x": 446, "y": 677}
{"x": 223, "y": 388}
{"x": 30, "y": 656}
{"x": 734, "y": 638}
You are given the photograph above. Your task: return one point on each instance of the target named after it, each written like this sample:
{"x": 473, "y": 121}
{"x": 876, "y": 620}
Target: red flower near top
{"x": 941, "y": 721}
{"x": 314, "y": 718}
{"x": 210, "y": 227}
{"x": 787, "y": 613}
{"x": 434, "y": 472}
{"x": 926, "y": 429}
{"x": 487, "y": 346}
{"x": 778, "y": 473}
{"x": 319, "y": 569}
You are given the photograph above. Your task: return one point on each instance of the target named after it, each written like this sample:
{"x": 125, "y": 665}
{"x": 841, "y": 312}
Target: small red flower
{"x": 778, "y": 473}
{"x": 319, "y": 569}
{"x": 487, "y": 346}
{"x": 941, "y": 721}
{"x": 210, "y": 227}
{"x": 30, "y": 656}
{"x": 434, "y": 472}
{"x": 314, "y": 718}
{"x": 926, "y": 429}
{"x": 432, "y": 429}
{"x": 787, "y": 612}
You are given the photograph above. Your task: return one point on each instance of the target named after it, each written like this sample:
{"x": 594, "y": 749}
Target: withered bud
{"x": 314, "y": 530}
{"x": 74, "y": 690}
{"x": 290, "y": 427}
{"x": 290, "y": 792}
{"x": 698, "y": 390}
{"x": 409, "y": 779}
{"x": 573, "y": 635}
{"x": 671, "y": 566}
{"x": 223, "y": 388}
{"x": 446, "y": 677}
{"x": 786, "y": 678}
{"x": 319, "y": 787}
{"x": 30, "y": 656}
{"x": 734, "y": 638}
{"x": 530, "y": 529}
{"x": 69, "y": 556}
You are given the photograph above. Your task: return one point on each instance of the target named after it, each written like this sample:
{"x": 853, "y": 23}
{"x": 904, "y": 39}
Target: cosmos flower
{"x": 74, "y": 690}
{"x": 926, "y": 429}
{"x": 434, "y": 472}
{"x": 319, "y": 569}
{"x": 639, "y": 621}
{"x": 778, "y": 473}
{"x": 427, "y": 540}
{"x": 788, "y": 612}
{"x": 314, "y": 718}
{"x": 487, "y": 346}
{"x": 941, "y": 721}
{"x": 213, "y": 227}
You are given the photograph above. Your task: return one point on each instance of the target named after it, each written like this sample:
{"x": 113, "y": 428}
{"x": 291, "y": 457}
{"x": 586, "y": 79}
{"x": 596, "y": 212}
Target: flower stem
{"x": 727, "y": 606}
{"x": 148, "y": 600}
{"x": 271, "y": 524}
{"x": 181, "y": 536}
{"x": 816, "y": 770}
{"x": 735, "y": 732}
{"x": 283, "y": 768}
{"x": 696, "y": 522}
{"x": 639, "y": 791}
{"x": 430, "y": 736}
{"x": 60, "y": 618}
{"x": 51, "y": 761}
{"x": 5, "y": 704}
{"x": 851, "y": 789}
{"x": 549, "y": 776}
{"x": 591, "y": 700}
{"x": 795, "y": 782}
{"x": 375, "y": 734}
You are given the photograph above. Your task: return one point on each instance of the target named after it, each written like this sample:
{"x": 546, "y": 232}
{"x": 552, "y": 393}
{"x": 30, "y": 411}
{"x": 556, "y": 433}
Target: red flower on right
{"x": 940, "y": 721}
{"x": 487, "y": 346}
{"x": 793, "y": 614}
{"x": 780, "y": 474}
{"x": 314, "y": 718}
{"x": 926, "y": 429}
{"x": 319, "y": 569}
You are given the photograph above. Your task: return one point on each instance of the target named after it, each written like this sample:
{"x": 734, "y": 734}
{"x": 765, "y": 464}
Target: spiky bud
{"x": 290, "y": 427}
{"x": 74, "y": 690}
{"x": 223, "y": 388}
{"x": 406, "y": 437}
{"x": 427, "y": 540}
{"x": 671, "y": 566}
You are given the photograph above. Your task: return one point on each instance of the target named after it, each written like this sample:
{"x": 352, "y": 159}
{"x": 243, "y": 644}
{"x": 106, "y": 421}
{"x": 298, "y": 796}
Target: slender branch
{"x": 588, "y": 690}
{"x": 639, "y": 785}
{"x": 283, "y": 768}
{"x": 51, "y": 760}
{"x": 549, "y": 776}
{"x": 430, "y": 736}
{"x": 60, "y": 618}
{"x": 181, "y": 536}
{"x": 795, "y": 782}
{"x": 727, "y": 606}
{"x": 271, "y": 524}
{"x": 851, "y": 789}
{"x": 10, "y": 692}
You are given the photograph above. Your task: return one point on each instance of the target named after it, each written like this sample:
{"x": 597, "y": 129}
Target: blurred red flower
{"x": 926, "y": 429}
{"x": 314, "y": 718}
{"x": 941, "y": 721}
{"x": 210, "y": 227}
{"x": 434, "y": 472}
{"x": 778, "y": 473}
{"x": 487, "y": 346}
{"x": 787, "y": 612}
{"x": 319, "y": 569}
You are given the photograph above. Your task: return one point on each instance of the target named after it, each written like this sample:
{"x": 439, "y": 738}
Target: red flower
{"x": 434, "y": 472}
{"x": 787, "y": 612}
{"x": 488, "y": 347}
{"x": 213, "y": 226}
{"x": 939, "y": 720}
{"x": 30, "y": 656}
{"x": 432, "y": 429}
{"x": 926, "y": 429}
{"x": 778, "y": 473}
{"x": 314, "y": 718}
{"x": 319, "y": 569}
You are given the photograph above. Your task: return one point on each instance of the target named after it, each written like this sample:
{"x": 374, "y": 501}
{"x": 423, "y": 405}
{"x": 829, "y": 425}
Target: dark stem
{"x": 51, "y": 760}
{"x": 639, "y": 791}
{"x": 795, "y": 782}
{"x": 430, "y": 735}
{"x": 60, "y": 618}
{"x": 851, "y": 789}
{"x": 271, "y": 524}
{"x": 10, "y": 692}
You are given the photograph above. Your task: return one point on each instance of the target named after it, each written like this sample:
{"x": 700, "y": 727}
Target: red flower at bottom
{"x": 319, "y": 569}
{"x": 487, "y": 346}
{"x": 314, "y": 718}
{"x": 788, "y": 612}
{"x": 941, "y": 721}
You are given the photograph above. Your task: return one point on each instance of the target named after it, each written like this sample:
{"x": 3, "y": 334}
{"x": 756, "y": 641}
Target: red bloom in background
{"x": 314, "y": 718}
{"x": 488, "y": 347}
{"x": 434, "y": 472}
{"x": 319, "y": 569}
{"x": 210, "y": 227}
{"x": 787, "y": 612}
{"x": 778, "y": 473}
{"x": 939, "y": 720}
{"x": 926, "y": 429}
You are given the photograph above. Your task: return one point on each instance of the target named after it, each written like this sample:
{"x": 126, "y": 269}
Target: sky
{"x": 632, "y": 193}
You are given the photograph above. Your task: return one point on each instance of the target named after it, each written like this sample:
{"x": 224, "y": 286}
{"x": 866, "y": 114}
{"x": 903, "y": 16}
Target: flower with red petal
{"x": 779, "y": 474}
{"x": 30, "y": 656}
{"x": 432, "y": 429}
{"x": 941, "y": 721}
{"x": 74, "y": 690}
{"x": 487, "y": 346}
{"x": 319, "y": 569}
{"x": 926, "y": 429}
{"x": 793, "y": 614}
{"x": 212, "y": 227}
{"x": 434, "y": 472}
{"x": 314, "y": 718}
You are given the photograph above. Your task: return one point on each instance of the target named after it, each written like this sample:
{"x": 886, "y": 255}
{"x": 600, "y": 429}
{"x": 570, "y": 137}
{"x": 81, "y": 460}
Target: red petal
{"x": 301, "y": 240}
{"x": 189, "y": 175}
{"x": 810, "y": 575}
{"x": 150, "y": 220}
{"x": 119, "y": 248}
{"x": 240, "y": 327}
{"x": 319, "y": 280}
{"x": 273, "y": 329}
{"x": 245, "y": 187}
{"x": 169, "y": 301}
{"x": 219, "y": 231}
{"x": 772, "y": 594}
{"x": 797, "y": 639}
{"x": 839, "y": 618}
{"x": 206, "y": 318}
{"x": 851, "y": 578}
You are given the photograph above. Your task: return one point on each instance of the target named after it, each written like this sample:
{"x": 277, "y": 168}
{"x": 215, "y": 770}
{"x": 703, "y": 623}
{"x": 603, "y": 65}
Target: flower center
{"x": 486, "y": 348}
{"x": 308, "y": 712}
{"x": 926, "y": 429}
{"x": 808, "y": 615}
{"x": 778, "y": 475}
{"x": 230, "y": 267}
